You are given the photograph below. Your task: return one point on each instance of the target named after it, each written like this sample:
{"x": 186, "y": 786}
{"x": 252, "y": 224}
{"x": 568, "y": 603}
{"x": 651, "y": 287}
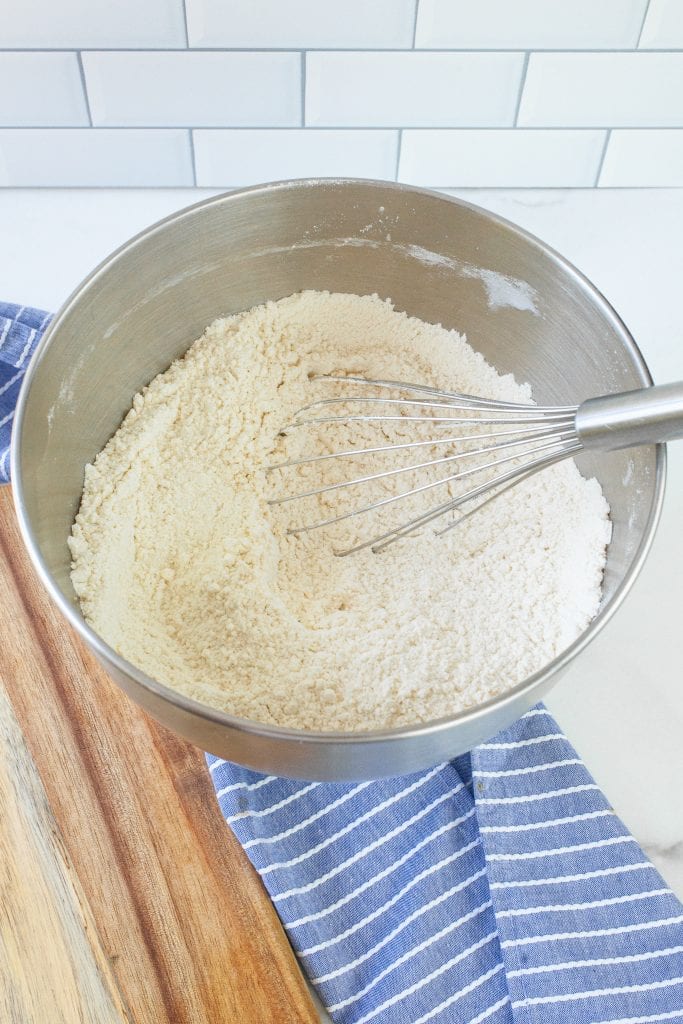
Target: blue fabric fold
{"x": 499, "y": 887}
{"x": 21, "y": 327}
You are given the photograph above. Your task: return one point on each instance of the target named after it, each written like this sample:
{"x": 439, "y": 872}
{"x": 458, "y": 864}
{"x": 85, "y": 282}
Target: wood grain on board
{"x": 123, "y": 895}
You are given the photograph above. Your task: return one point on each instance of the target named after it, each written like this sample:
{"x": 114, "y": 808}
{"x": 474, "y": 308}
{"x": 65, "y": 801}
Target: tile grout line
{"x": 303, "y": 88}
{"x": 187, "y": 31}
{"x": 608, "y": 136}
{"x": 84, "y": 86}
{"x": 502, "y": 129}
{"x": 190, "y": 135}
{"x": 398, "y": 153}
{"x": 522, "y": 83}
{"x": 417, "y": 10}
{"x": 573, "y": 51}
{"x": 642, "y": 24}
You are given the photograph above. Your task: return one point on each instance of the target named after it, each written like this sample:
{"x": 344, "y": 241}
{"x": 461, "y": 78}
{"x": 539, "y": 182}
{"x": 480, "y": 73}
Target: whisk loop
{"x": 524, "y": 438}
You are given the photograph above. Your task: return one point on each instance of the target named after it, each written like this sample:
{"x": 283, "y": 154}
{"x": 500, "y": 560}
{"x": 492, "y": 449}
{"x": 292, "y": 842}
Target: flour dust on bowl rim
{"x": 524, "y": 307}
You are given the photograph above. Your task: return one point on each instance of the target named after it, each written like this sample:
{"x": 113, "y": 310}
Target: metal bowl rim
{"x": 247, "y": 726}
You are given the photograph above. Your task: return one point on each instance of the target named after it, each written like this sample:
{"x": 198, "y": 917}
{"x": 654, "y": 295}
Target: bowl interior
{"x": 523, "y": 307}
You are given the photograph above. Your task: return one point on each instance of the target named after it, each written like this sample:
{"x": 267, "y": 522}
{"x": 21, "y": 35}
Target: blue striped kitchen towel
{"x": 500, "y": 886}
{"x": 20, "y": 329}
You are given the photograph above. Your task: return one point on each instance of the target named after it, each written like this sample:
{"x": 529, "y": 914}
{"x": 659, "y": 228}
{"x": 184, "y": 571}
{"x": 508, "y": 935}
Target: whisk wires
{"x": 524, "y": 438}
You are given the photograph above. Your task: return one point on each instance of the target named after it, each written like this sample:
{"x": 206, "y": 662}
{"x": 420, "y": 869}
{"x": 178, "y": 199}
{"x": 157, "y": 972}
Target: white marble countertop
{"x": 621, "y": 703}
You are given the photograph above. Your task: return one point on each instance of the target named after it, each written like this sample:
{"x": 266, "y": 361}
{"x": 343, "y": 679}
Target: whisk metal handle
{"x": 645, "y": 416}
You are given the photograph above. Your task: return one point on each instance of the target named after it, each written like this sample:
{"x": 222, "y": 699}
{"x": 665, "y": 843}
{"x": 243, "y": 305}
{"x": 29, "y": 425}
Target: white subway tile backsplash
{"x": 397, "y": 89}
{"x": 603, "y": 89}
{"x": 643, "y": 157}
{"x": 244, "y": 156}
{"x": 82, "y": 157}
{"x": 194, "y": 89}
{"x": 663, "y": 28}
{"x": 41, "y": 89}
{"x": 512, "y": 158}
{"x": 61, "y": 24}
{"x": 526, "y": 93}
{"x": 529, "y": 24}
{"x": 299, "y": 24}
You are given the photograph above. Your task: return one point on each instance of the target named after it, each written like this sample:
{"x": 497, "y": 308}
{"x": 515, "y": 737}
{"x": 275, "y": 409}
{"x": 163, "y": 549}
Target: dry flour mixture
{"x": 182, "y": 567}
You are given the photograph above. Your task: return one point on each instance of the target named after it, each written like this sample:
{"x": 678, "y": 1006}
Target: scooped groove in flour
{"x": 184, "y": 568}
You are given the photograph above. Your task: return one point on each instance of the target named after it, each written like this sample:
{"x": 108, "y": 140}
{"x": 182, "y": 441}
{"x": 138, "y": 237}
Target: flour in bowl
{"x": 182, "y": 566}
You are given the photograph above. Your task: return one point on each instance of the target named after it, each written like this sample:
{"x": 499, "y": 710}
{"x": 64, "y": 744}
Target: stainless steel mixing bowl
{"x": 523, "y": 306}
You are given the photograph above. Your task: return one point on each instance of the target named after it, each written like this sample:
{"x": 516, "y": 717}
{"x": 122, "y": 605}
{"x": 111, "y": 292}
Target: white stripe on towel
{"x": 523, "y": 743}
{"x": 363, "y": 818}
{"x": 595, "y": 933}
{"x": 387, "y": 871}
{"x": 612, "y": 841}
{"x": 527, "y": 770}
{"x": 8, "y": 384}
{"x": 27, "y": 347}
{"x": 669, "y": 1015}
{"x": 5, "y": 331}
{"x": 536, "y": 796}
{"x": 399, "y": 928}
{"x": 389, "y": 903}
{"x": 411, "y": 953}
{"x": 484, "y": 1015}
{"x": 600, "y": 962}
{"x": 308, "y": 821}
{"x": 248, "y": 786}
{"x": 600, "y": 873}
{"x": 362, "y": 853}
{"x": 568, "y": 996}
{"x": 529, "y": 825}
{"x": 243, "y": 815}
{"x": 425, "y": 981}
{"x": 561, "y": 907}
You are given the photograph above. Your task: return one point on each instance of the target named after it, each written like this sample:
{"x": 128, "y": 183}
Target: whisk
{"x": 512, "y": 441}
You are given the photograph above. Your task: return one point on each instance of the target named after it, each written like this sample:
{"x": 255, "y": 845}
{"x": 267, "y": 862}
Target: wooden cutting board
{"x": 123, "y": 894}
